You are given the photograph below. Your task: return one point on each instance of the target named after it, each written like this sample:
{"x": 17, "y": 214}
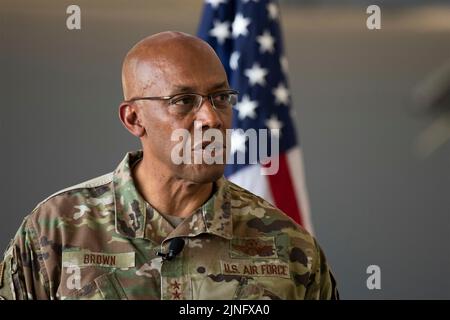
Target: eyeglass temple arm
{"x": 147, "y": 98}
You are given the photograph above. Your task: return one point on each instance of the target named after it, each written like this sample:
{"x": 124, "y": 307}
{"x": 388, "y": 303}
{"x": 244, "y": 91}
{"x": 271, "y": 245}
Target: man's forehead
{"x": 182, "y": 75}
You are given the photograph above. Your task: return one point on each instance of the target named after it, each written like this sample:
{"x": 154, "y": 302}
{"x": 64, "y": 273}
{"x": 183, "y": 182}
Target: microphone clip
{"x": 175, "y": 247}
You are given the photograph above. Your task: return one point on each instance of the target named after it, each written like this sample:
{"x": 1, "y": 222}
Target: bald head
{"x": 166, "y": 56}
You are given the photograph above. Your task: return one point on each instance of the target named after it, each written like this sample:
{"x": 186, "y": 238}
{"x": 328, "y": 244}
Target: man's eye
{"x": 223, "y": 97}
{"x": 184, "y": 100}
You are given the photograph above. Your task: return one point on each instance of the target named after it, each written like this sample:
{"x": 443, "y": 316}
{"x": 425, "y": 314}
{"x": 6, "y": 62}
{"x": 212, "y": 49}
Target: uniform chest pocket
{"x": 104, "y": 287}
{"x": 248, "y": 289}
{"x": 80, "y": 266}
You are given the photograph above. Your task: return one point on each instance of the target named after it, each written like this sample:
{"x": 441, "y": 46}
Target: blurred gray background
{"x": 375, "y": 197}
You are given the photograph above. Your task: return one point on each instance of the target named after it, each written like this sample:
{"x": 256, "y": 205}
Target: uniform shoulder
{"x": 82, "y": 195}
{"x": 261, "y": 214}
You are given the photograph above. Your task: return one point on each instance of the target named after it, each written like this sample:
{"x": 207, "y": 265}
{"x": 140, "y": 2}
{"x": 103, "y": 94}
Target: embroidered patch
{"x": 258, "y": 247}
{"x": 85, "y": 258}
{"x": 256, "y": 268}
{"x": 176, "y": 288}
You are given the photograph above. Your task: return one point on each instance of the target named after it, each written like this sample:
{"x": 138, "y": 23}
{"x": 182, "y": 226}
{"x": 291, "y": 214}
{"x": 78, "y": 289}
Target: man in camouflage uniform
{"x": 106, "y": 238}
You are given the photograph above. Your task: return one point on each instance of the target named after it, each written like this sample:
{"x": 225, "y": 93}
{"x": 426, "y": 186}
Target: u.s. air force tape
{"x": 254, "y": 268}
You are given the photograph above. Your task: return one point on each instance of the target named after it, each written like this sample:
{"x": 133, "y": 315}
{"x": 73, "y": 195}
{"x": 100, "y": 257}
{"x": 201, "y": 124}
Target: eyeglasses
{"x": 184, "y": 103}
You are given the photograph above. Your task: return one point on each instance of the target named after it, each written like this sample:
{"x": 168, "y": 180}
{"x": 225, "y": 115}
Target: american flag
{"x": 246, "y": 35}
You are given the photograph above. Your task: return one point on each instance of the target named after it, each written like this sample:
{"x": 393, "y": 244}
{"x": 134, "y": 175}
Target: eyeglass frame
{"x": 167, "y": 98}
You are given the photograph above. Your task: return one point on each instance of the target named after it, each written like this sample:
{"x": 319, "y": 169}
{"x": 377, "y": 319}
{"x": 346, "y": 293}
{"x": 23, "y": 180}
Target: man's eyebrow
{"x": 179, "y": 89}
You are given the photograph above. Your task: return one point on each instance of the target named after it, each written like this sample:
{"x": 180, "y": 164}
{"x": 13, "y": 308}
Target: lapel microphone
{"x": 175, "y": 247}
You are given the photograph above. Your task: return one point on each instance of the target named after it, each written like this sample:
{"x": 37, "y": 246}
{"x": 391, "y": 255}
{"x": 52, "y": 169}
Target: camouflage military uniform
{"x": 98, "y": 240}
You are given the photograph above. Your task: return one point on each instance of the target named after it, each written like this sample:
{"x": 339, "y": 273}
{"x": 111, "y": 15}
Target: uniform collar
{"x": 135, "y": 218}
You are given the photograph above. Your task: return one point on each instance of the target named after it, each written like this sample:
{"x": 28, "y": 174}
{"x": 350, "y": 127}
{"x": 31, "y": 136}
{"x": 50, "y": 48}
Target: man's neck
{"x": 168, "y": 194}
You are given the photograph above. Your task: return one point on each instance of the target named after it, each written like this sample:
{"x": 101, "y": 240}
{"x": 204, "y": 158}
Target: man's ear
{"x": 130, "y": 119}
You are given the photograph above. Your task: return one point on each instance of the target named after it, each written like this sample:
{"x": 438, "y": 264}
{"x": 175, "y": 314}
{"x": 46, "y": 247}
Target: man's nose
{"x": 208, "y": 115}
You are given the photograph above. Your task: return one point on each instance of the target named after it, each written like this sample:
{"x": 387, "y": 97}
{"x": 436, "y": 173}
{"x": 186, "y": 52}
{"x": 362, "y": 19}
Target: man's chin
{"x": 204, "y": 173}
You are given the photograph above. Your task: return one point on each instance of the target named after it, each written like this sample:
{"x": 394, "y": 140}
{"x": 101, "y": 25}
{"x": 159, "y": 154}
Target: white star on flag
{"x": 266, "y": 42}
{"x": 238, "y": 139}
{"x": 234, "y": 59}
{"x": 273, "y": 10}
{"x": 220, "y": 31}
{"x": 215, "y": 3}
{"x": 273, "y": 123}
{"x": 281, "y": 94}
{"x": 240, "y": 25}
{"x": 246, "y": 108}
{"x": 256, "y": 74}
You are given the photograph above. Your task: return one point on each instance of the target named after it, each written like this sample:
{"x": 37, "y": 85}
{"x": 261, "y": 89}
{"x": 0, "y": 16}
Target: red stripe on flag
{"x": 283, "y": 191}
